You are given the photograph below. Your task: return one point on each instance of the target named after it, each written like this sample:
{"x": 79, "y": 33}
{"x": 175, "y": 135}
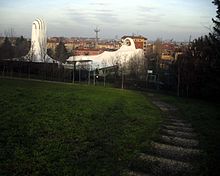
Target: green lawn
{"x": 64, "y": 129}
{"x": 205, "y": 118}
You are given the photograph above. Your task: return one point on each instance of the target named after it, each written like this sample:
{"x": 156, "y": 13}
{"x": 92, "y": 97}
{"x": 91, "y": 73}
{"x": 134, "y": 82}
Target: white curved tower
{"x": 38, "y": 49}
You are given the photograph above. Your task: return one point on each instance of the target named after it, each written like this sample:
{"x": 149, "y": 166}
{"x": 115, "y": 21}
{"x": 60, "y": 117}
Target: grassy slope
{"x": 60, "y": 129}
{"x": 205, "y": 117}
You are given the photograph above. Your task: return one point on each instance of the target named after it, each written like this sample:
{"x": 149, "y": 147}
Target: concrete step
{"x": 177, "y": 141}
{"x": 175, "y": 120}
{"x": 174, "y": 152}
{"x": 173, "y": 116}
{"x": 177, "y": 128}
{"x": 178, "y": 124}
{"x": 133, "y": 173}
{"x": 161, "y": 166}
{"x": 188, "y": 135}
{"x": 164, "y": 106}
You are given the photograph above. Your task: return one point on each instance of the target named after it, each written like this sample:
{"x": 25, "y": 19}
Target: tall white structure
{"x": 38, "y": 49}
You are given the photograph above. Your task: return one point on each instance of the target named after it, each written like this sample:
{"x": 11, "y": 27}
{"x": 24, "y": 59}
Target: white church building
{"x": 111, "y": 58}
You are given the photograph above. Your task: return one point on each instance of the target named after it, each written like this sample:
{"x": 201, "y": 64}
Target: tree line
{"x": 14, "y": 48}
{"x": 19, "y": 47}
{"x": 198, "y": 68}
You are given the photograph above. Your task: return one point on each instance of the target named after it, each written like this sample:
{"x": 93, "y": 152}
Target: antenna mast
{"x": 96, "y": 30}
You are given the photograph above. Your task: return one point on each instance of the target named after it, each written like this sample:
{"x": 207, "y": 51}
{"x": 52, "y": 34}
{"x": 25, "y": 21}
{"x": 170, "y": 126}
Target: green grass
{"x": 205, "y": 118}
{"x": 64, "y": 129}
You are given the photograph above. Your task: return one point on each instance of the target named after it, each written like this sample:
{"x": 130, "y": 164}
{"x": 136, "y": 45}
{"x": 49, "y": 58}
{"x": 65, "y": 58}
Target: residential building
{"x": 87, "y": 51}
{"x": 139, "y": 41}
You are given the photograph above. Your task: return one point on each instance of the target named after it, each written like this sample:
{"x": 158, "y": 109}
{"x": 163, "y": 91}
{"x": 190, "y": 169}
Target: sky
{"x": 165, "y": 19}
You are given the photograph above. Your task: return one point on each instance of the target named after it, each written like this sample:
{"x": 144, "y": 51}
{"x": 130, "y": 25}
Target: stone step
{"x": 172, "y": 108}
{"x": 188, "y": 135}
{"x": 163, "y": 106}
{"x": 175, "y": 120}
{"x": 133, "y": 173}
{"x": 178, "y": 124}
{"x": 160, "y": 103}
{"x": 177, "y": 141}
{"x": 161, "y": 166}
{"x": 174, "y": 152}
{"x": 177, "y": 128}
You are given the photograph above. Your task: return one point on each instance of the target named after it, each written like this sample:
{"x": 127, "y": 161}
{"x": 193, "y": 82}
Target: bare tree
{"x": 158, "y": 52}
{"x": 114, "y": 61}
{"x": 9, "y": 33}
{"x": 122, "y": 67}
{"x": 136, "y": 68}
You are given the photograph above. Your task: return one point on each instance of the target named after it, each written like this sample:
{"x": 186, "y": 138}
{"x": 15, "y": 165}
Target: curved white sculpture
{"x": 107, "y": 58}
{"x": 38, "y": 50}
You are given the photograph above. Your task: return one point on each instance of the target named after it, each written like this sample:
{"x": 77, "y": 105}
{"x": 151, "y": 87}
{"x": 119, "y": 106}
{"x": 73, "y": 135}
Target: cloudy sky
{"x": 166, "y": 19}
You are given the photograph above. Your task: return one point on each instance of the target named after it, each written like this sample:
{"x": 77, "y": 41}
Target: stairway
{"x": 173, "y": 153}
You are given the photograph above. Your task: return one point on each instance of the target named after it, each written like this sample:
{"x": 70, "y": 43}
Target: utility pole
{"x": 74, "y": 68}
{"x": 122, "y": 77}
{"x": 89, "y": 75}
{"x": 80, "y": 73}
{"x": 122, "y": 80}
{"x": 178, "y": 79}
{"x": 94, "y": 77}
{"x": 104, "y": 71}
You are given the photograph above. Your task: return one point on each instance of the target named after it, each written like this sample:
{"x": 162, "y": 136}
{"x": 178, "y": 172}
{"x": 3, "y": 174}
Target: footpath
{"x": 175, "y": 152}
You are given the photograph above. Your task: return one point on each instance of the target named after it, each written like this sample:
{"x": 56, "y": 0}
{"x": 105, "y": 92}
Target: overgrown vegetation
{"x": 205, "y": 118}
{"x": 64, "y": 129}
{"x": 199, "y": 66}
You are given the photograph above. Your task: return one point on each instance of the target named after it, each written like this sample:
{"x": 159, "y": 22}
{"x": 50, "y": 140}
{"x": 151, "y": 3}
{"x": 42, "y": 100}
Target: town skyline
{"x": 176, "y": 20}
